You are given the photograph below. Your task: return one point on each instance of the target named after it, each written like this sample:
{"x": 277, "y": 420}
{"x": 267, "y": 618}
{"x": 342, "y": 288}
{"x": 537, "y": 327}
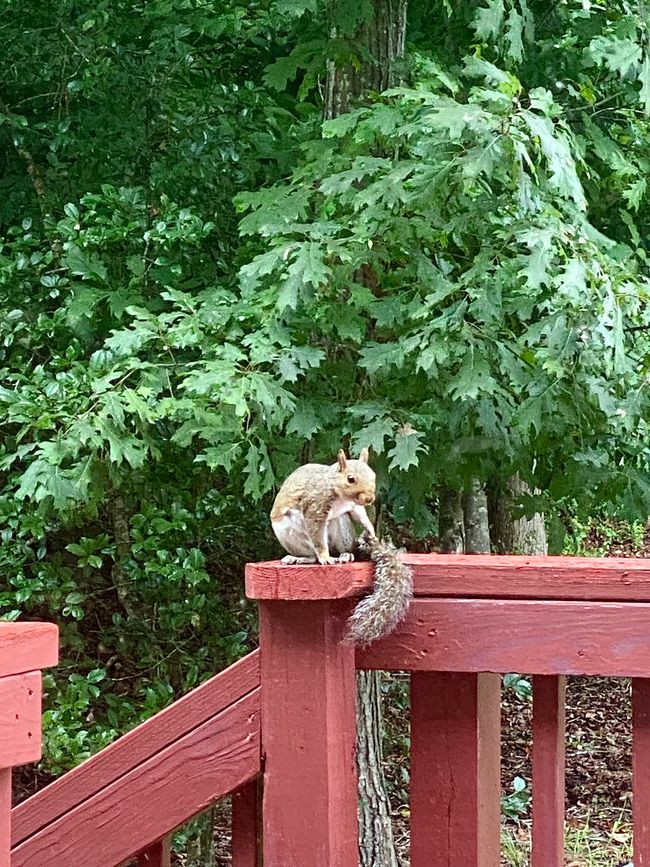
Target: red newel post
{"x": 25, "y": 648}
{"x": 308, "y": 726}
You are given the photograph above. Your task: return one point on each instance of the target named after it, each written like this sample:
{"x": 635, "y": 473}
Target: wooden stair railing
{"x": 473, "y": 618}
{"x": 125, "y": 801}
{"x": 25, "y": 649}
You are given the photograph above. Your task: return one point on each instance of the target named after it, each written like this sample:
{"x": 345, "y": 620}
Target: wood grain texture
{"x": 159, "y": 795}
{"x": 308, "y": 708}
{"x": 455, "y": 763}
{"x": 159, "y": 854}
{"x": 20, "y": 719}
{"x": 5, "y": 817}
{"x": 605, "y": 638}
{"x": 27, "y": 647}
{"x": 641, "y": 771}
{"x": 472, "y": 575}
{"x": 245, "y": 825}
{"x": 548, "y": 771}
{"x": 135, "y": 747}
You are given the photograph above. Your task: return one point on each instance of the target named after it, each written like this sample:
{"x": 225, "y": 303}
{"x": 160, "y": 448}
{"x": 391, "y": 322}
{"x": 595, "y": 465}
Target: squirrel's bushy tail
{"x": 379, "y": 613}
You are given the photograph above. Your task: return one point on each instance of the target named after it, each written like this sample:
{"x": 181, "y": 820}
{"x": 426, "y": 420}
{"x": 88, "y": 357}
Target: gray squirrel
{"x": 313, "y": 518}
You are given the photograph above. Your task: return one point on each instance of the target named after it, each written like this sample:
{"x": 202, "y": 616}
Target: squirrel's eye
{"x": 351, "y": 480}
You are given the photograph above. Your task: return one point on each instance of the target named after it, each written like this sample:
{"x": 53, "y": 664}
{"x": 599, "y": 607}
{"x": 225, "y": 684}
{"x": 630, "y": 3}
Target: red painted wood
{"x": 5, "y": 817}
{"x": 20, "y": 719}
{"x": 605, "y": 638}
{"x": 455, "y": 762}
{"x": 135, "y": 747}
{"x": 27, "y": 647}
{"x": 245, "y": 837}
{"x": 641, "y": 770}
{"x": 308, "y": 709}
{"x": 146, "y": 804}
{"x": 548, "y": 771}
{"x": 472, "y": 575}
{"x": 157, "y": 855}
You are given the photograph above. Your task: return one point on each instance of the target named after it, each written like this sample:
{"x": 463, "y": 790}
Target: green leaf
{"x": 260, "y": 478}
{"x": 619, "y": 55}
{"x": 304, "y": 421}
{"x": 489, "y": 19}
{"x": 635, "y": 193}
{"x": 555, "y": 147}
{"x": 404, "y": 454}
{"x": 514, "y": 33}
{"x": 223, "y": 455}
{"x": 307, "y": 269}
{"x": 84, "y": 263}
{"x": 376, "y": 356}
{"x": 374, "y": 434}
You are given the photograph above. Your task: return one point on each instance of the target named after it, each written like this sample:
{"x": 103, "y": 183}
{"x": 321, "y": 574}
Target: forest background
{"x": 202, "y": 285}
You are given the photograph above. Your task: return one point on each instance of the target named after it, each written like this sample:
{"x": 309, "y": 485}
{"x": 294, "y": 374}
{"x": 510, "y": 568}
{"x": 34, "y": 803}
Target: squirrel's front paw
{"x": 346, "y": 557}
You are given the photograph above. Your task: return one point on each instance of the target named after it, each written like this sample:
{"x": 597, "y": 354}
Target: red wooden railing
{"x": 126, "y": 800}
{"x": 25, "y": 648}
{"x": 472, "y": 618}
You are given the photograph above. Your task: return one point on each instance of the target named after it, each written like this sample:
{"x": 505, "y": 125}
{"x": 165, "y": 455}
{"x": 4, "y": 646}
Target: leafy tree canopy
{"x": 202, "y": 284}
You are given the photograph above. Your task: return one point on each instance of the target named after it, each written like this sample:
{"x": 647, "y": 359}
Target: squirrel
{"x": 312, "y": 518}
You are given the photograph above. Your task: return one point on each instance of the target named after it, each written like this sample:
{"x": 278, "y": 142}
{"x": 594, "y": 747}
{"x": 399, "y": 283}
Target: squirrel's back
{"x": 309, "y": 483}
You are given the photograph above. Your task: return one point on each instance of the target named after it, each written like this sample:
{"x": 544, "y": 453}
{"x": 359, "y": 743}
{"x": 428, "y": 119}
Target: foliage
{"x": 520, "y": 685}
{"x": 201, "y": 286}
{"x": 515, "y": 804}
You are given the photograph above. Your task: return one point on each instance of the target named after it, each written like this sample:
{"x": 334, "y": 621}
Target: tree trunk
{"x": 515, "y": 535}
{"x": 381, "y": 40}
{"x": 376, "y": 846}
{"x": 451, "y": 526}
{"x": 477, "y": 526}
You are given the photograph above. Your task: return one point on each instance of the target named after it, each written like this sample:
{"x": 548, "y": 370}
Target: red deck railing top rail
{"x": 475, "y": 575}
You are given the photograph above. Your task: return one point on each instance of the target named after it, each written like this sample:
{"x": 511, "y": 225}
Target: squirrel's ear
{"x": 363, "y": 456}
{"x": 343, "y": 461}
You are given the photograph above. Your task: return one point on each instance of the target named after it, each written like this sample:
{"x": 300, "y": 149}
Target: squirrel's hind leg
{"x": 291, "y": 533}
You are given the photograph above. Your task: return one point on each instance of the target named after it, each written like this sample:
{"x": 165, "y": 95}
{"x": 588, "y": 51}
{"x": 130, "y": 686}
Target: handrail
{"x": 606, "y": 579}
{"x": 150, "y": 781}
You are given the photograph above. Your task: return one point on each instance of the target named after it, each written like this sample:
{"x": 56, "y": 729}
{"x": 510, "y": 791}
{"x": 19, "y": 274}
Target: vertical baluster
{"x": 156, "y": 855}
{"x": 5, "y": 817}
{"x": 548, "y": 771}
{"x": 641, "y": 770}
{"x": 455, "y": 769}
{"x": 245, "y": 827}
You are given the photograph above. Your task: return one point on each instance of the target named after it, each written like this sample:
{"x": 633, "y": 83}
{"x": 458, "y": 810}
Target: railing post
{"x": 158, "y": 854}
{"x": 308, "y": 735}
{"x": 25, "y": 648}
